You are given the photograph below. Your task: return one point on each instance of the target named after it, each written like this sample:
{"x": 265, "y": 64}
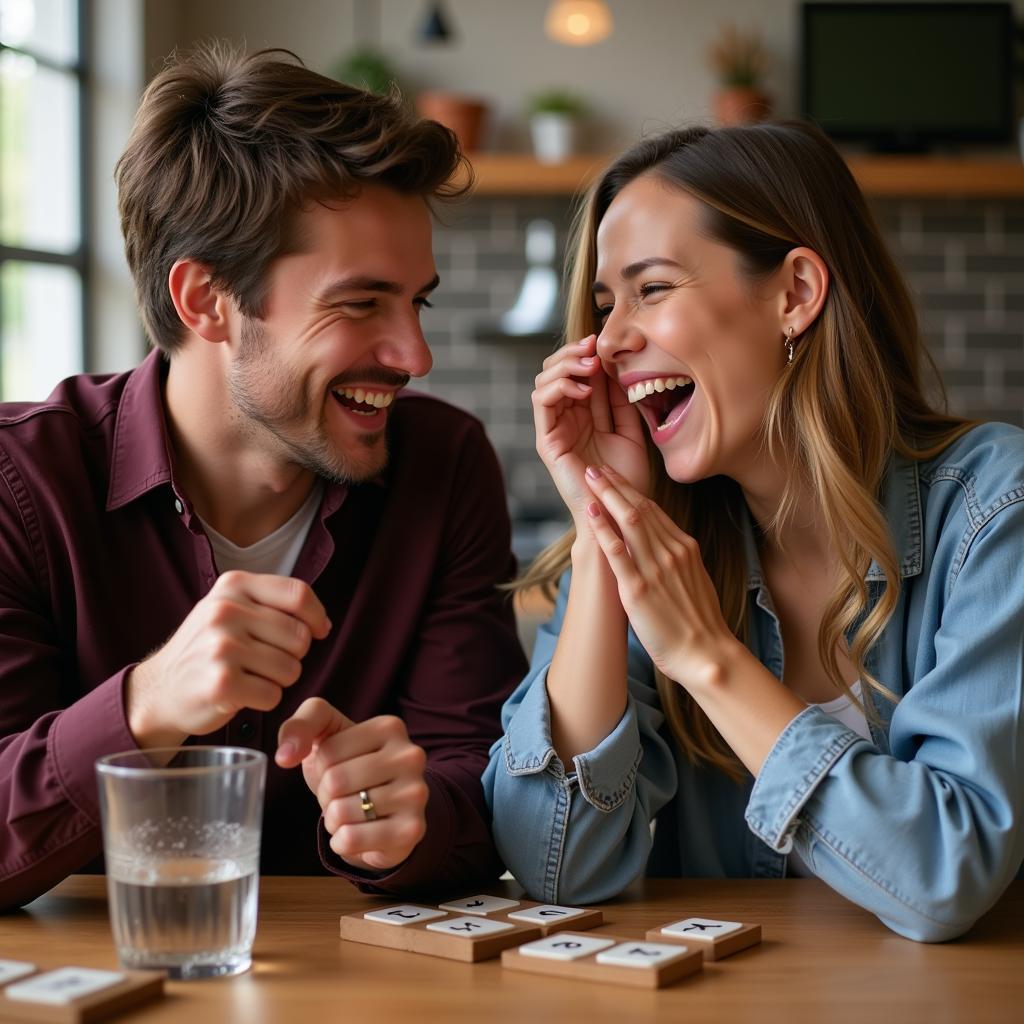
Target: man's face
{"x": 315, "y": 378}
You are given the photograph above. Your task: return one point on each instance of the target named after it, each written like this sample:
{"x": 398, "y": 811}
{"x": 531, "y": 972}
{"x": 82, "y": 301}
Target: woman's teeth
{"x": 636, "y": 392}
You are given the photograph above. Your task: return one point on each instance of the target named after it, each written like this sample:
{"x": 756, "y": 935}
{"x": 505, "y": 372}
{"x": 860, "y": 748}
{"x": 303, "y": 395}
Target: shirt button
{"x": 245, "y": 730}
{"x": 178, "y": 507}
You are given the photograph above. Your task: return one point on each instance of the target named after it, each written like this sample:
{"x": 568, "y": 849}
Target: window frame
{"x": 78, "y": 260}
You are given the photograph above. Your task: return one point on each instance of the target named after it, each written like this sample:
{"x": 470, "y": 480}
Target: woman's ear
{"x": 805, "y": 283}
{"x": 202, "y": 307}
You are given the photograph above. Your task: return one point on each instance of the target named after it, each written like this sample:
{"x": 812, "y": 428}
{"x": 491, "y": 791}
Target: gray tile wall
{"x": 964, "y": 261}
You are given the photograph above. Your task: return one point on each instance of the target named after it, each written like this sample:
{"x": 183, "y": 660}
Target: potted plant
{"x": 555, "y": 116}
{"x": 464, "y": 115}
{"x": 740, "y": 61}
{"x": 366, "y": 68}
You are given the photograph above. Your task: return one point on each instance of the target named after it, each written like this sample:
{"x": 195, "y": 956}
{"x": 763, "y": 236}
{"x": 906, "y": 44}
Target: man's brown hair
{"x": 227, "y": 148}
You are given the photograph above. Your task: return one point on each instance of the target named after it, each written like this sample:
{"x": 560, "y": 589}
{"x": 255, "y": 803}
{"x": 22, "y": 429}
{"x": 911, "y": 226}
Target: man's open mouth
{"x": 363, "y": 400}
{"x": 661, "y": 400}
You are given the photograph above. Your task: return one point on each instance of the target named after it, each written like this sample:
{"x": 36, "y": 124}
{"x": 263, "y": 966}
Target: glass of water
{"x": 181, "y": 838}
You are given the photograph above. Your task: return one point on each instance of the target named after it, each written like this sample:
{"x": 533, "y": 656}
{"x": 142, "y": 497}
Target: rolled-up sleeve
{"x": 582, "y": 835}
{"x": 929, "y": 835}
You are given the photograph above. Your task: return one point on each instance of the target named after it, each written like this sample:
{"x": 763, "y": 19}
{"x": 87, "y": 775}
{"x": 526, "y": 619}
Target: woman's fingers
{"x": 600, "y": 409}
{"x": 568, "y": 367}
{"x": 665, "y": 526}
{"x": 613, "y": 546}
{"x": 580, "y": 348}
{"x": 625, "y": 418}
{"x": 660, "y": 549}
{"x": 631, "y": 517}
{"x": 549, "y": 401}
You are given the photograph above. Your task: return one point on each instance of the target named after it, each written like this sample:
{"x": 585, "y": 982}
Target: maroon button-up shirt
{"x": 102, "y": 557}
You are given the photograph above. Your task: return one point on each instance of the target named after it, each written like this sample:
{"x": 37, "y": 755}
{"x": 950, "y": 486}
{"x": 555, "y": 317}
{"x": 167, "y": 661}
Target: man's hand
{"x": 339, "y": 758}
{"x": 240, "y": 646}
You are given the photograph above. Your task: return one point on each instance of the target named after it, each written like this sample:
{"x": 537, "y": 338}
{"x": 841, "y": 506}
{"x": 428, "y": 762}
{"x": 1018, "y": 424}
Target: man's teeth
{"x": 649, "y": 387}
{"x": 378, "y": 399}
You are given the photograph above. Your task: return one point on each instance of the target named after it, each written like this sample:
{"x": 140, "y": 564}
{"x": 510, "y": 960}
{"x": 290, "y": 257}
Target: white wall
{"x": 652, "y": 69}
{"x": 650, "y": 73}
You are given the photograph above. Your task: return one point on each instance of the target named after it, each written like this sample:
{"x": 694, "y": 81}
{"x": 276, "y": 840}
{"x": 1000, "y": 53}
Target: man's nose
{"x": 406, "y": 349}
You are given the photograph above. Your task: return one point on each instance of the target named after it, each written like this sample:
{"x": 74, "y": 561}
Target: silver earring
{"x": 789, "y": 345}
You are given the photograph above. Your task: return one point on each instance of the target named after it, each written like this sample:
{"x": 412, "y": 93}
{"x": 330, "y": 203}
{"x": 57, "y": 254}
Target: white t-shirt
{"x": 276, "y": 553}
{"x": 851, "y": 715}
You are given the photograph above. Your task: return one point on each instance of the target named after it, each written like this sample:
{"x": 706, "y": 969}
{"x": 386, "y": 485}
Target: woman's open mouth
{"x": 662, "y": 402}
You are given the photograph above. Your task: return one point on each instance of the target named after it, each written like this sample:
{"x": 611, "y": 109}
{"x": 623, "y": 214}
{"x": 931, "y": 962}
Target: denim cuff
{"x": 607, "y": 773}
{"x": 802, "y": 756}
{"x": 527, "y": 743}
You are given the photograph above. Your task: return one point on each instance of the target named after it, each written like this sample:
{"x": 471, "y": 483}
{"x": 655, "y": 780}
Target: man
{"x": 256, "y": 537}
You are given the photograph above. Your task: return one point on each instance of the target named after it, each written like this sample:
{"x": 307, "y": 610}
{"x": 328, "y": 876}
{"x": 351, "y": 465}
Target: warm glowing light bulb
{"x": 578, "y": 22}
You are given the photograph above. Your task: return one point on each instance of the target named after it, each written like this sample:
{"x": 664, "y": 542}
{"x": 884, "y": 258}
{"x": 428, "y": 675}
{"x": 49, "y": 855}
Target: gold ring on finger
{"x": 369, "y": 810}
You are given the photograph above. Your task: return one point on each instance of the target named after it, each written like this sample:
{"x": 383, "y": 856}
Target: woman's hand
{"x": 665, "y": 590}
{"x": 582, "y": 418}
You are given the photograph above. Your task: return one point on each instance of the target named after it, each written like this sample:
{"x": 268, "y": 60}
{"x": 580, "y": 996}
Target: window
{"x": 43, "y": 214}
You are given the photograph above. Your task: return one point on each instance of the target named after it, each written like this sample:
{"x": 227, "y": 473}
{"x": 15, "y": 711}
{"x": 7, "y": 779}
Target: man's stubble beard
{"x": 270, "y": 399}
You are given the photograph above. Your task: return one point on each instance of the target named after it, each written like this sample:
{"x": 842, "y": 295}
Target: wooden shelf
{"x": 513, "y": 174}
{"x": 921, "y": 176}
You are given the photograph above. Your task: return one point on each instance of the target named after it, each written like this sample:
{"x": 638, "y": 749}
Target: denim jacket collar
{"x": 901, "y": 503}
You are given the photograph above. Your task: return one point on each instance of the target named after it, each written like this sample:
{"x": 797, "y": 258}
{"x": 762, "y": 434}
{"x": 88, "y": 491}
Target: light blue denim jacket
{"x": 922, "y": 826}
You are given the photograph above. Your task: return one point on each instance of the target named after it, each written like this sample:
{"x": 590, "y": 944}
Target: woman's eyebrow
{"x": 631, "y": 270}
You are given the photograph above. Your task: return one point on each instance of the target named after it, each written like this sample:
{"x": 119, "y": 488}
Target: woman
{"x": 792, "y": 636}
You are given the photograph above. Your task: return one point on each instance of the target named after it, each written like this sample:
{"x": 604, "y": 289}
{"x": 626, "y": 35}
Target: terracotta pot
{"x": 463, "y": 114}
{"x": 739, "y": 105}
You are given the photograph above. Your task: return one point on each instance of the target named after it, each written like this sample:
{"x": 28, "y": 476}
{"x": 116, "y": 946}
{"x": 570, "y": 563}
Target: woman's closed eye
{"x": 653, "y": 288}
{"x": 645, "y": 291}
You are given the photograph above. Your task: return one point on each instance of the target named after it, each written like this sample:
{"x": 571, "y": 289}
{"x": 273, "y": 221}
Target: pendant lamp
{"x": 578, "y": 22}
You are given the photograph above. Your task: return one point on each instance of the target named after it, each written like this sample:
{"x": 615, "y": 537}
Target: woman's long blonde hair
{"x": 852, "y": 397}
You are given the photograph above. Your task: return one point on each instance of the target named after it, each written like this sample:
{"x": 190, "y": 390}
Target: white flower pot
{"x": 554, "y": 137}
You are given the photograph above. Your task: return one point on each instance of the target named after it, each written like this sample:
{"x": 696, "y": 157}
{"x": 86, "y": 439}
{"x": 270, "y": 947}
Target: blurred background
{"x": 924, "y": 99}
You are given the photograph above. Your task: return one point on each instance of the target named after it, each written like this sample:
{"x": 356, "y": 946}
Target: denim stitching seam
{"x": 606, "y": 802}
{"x": 840, "y": 851}
{"x": 528, "y": 767}
{"x": 1005, "y": 501}
{"x": 560, "y": 826}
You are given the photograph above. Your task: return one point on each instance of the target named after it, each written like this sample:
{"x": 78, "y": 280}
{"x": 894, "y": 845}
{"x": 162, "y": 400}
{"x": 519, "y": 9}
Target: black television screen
{"x": 904, "y": 76}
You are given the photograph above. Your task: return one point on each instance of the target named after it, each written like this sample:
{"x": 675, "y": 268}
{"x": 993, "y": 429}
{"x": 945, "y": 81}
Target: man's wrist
{"x": 147, "y": 732}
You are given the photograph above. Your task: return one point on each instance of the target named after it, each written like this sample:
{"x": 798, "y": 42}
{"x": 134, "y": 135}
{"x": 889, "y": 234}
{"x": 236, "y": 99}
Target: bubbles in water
{"x": 182, "y": 851}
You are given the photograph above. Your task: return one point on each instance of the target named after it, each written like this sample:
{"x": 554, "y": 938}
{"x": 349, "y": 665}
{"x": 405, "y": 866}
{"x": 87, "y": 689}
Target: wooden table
{"x": 822, "y": 960}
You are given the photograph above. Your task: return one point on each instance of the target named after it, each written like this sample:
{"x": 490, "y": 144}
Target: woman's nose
{"x": 618, "y": 338}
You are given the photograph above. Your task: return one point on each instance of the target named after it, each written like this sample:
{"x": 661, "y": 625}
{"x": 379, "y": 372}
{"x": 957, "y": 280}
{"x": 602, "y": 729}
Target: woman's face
{"x": 696, "y": 347}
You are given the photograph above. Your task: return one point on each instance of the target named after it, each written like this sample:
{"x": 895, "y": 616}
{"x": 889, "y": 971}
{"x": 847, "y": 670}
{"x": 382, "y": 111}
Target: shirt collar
{"x": 141, "y": 455}
{"x": 901, "y": 503}
{"x": 142, "y": 458}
